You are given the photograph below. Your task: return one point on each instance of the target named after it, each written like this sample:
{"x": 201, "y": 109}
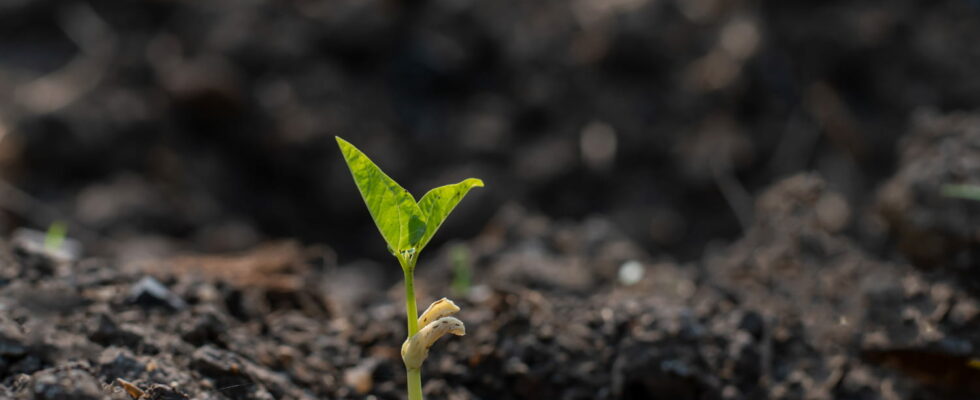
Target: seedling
{"x": 55, "y": 235}
{"x": 407, "y": 226}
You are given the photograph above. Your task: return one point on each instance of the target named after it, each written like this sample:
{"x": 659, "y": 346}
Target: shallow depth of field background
{"x": 209, "y": 125}
{"x": 638, "y": 135}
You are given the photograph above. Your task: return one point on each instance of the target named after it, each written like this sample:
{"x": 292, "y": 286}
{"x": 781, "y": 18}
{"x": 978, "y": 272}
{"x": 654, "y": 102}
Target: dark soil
{"x": 792, "y": 310}
{"x": 209, "y": 127}
{"x": 772, "y": 170}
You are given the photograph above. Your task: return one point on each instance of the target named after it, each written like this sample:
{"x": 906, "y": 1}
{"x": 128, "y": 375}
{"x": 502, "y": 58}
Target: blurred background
{"x": 685, "y": 199}
{"x": 155, "y": 126}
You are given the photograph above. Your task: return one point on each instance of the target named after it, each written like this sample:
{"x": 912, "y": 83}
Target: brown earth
{"x": 792, "y": 310}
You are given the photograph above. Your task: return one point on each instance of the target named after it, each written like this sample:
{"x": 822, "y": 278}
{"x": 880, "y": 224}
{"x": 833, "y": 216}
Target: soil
{"x": 685, "y": 199}
{"x": 793, "y": 309}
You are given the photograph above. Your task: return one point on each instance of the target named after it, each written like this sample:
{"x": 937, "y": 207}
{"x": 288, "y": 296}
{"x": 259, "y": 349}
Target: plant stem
{"x": 414, "y": 376}
{"x": 414, "y": 384}
{"x": 411, "y": 313}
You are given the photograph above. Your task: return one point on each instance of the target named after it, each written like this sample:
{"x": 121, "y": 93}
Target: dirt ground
{"x": 791, "y": 310}
{"x": 686, "y": 199}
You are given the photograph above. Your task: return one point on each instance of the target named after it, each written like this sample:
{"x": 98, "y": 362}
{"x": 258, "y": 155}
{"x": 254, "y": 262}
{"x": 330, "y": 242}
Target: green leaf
{"x": 394, "y": 210}
{"x": 439, "y": 202}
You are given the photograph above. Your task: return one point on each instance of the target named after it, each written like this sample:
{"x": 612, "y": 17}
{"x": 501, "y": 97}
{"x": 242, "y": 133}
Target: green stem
{"x": 411, "y": 313}
{"x": 414, "y": 384}
{"x": 414, "y": 376}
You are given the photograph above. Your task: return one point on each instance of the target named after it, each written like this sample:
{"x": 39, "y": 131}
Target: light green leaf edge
{"x": 394, "y": 210}
{"x": 439, "y": 202}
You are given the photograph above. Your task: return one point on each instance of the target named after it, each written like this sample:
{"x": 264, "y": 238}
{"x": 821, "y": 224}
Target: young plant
{"x": 55, "y": 235}
{"x": 407, "y": 226}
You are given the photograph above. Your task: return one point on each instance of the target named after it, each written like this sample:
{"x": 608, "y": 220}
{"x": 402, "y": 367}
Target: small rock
{"x": 163, "y": 392}
{"x": 150, "y": 292}
{"x": 225, "y": 369}
{"x": 66, "y": 384}
{"x": 204, "y": 328}
{"x": 360, "y": 377}
{"x": 108, "y": 333}
{"x": 631, "y": 272}
{"x": 11, "y": 340}
{"x": 120, "y": 363}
